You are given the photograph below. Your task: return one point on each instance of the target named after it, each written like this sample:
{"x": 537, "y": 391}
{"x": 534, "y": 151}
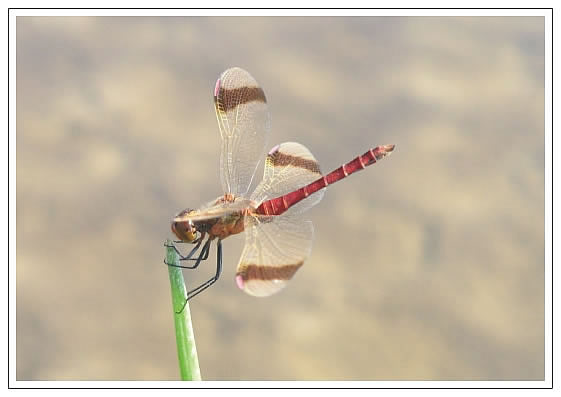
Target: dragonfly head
{"x": 183, "y": 227}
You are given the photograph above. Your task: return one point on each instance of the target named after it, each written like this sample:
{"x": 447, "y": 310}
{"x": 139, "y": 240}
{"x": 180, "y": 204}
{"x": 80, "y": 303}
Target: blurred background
{"x": 426, "y": 266}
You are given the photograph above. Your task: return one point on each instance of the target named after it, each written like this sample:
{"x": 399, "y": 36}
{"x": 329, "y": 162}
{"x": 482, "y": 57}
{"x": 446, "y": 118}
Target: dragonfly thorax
{"x": 220, "y": 218}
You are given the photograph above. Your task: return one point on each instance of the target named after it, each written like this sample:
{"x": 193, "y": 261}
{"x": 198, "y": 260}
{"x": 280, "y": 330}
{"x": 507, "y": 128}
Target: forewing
{"x": 288, "y": 167}
{"x": 244, "y": 122}
{"x": 275, "y": 248}
{"x": 214, "y": 209}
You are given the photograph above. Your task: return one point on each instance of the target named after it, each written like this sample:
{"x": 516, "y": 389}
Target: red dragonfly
{"x": 278, "y": 238}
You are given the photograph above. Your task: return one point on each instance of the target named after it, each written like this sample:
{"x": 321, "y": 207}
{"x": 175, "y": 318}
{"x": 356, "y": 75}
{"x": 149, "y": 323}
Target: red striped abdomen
{"x": 280, "y": 204}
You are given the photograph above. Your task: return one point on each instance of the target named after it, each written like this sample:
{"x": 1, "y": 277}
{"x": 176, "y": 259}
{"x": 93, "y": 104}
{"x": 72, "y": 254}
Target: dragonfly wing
{"x": 244, "y": 122}
{"x": 212, "y": 210}
{"x": 275, "y": 248}
{"x": 288, "y": 167}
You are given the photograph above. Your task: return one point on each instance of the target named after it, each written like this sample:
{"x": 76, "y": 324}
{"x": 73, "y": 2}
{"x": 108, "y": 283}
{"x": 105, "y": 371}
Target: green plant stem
{"x": 186, "y": 348}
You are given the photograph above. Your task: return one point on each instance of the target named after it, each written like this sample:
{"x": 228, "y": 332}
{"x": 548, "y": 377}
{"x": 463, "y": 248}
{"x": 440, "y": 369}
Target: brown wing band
{"x": 280, "y": 159}
{"x": 230, "y": 99}
{"x": 265, "y": 272}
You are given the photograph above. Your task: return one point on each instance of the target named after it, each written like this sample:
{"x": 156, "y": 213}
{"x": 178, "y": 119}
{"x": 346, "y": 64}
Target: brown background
{"x": 429, "y": 265}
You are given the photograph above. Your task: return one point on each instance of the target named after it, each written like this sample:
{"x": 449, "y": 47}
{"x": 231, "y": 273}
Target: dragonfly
{"x": 278, "y": 235}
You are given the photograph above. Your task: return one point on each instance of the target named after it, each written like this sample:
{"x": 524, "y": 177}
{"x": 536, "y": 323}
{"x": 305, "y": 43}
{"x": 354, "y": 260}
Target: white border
{"x": 548, "y": 265}
{"x": 12, "y": 199}
{"x": 337, "y": 384}
{"x": 281, "y": 12}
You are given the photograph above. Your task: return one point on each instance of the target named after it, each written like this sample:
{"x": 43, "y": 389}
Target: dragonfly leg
{"x": 190, "y": 254}
{"x": 191, "y": 294}
{"x": 203, "y": 255}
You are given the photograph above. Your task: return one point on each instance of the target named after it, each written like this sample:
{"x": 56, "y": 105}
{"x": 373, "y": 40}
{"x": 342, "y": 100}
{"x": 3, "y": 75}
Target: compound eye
{"x": 191, "y": 232}
{"x": 185, "y": 231}
{"x": 191, "y": 235}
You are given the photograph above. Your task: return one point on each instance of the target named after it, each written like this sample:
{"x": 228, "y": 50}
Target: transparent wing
{"x": 275, "y": 248}
{"x": 244, "y": 122}
{"x": 214, "y": 209}
{"x": 288, "y": 167}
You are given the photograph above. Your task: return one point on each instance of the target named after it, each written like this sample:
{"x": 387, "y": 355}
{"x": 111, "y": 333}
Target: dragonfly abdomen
{"x": 280, "y": 204}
